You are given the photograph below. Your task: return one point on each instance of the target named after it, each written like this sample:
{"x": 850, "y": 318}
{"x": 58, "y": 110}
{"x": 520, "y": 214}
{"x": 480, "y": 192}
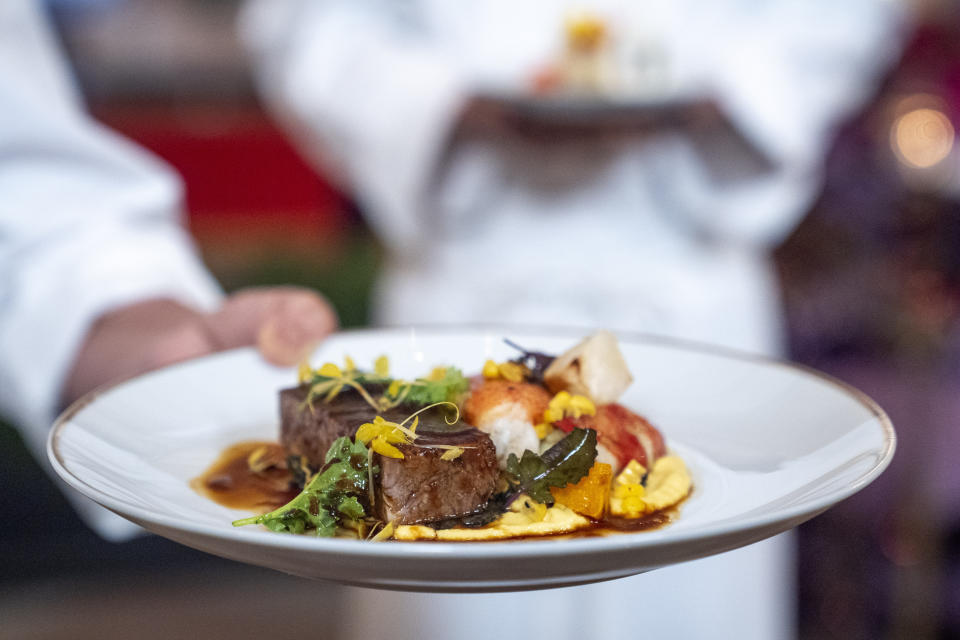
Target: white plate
{"x": 770, "y": 445}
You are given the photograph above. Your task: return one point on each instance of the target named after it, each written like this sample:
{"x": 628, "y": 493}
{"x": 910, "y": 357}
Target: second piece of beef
{"x": 309, "y": 431}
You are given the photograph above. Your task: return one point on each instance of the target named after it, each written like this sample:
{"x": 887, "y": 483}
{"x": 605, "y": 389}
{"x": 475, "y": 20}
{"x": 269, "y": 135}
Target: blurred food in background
{"x": 603, "y": 58}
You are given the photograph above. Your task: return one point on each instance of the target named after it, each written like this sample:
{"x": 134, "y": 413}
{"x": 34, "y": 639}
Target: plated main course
{"x": 530, "y": 447}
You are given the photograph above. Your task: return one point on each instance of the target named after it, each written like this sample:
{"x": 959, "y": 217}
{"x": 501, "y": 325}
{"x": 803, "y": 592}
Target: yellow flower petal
{"x": 330, "y": 370}
{"x": 385, "y": 431}
{"x": 367, "y": 432}
{"x": 394, "y": 434}
{"x": 491, "y": 370}
{"x": 394, "y": 389}
{"x": 304, "y": 372}
{"x": 381, "y": 367}
{"x": 384, "y": 448}
{"x": 350, "y": 364}
{"x": 452, "y": 453}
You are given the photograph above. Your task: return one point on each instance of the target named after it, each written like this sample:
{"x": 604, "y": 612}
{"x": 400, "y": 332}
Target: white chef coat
{"x": 667, "y": 233}
{"x": 88, "y": 223}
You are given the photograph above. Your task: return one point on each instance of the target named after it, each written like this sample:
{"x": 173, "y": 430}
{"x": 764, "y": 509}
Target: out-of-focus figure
{"x": 659, "y": 228}
{"x": 98, "y": 279}
{"x": 493, "y": 147}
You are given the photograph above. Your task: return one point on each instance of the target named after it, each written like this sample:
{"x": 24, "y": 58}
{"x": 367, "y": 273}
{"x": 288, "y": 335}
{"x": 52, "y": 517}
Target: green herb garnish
{"x": 564, "y": 463}
{"x": 449, "y": 387}
{"x": 445, "y": 384}
{"x": 329, "y": 380}
{"x": 330, "y": 498}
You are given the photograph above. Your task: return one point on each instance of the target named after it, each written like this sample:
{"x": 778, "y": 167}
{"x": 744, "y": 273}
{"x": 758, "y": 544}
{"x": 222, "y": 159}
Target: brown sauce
{"x": 230, "y": 482}
{"x": 613, "y": 525}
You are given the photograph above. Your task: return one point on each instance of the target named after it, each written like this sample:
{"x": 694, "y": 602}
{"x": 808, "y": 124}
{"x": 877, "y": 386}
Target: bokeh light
{"x": 922, "y": 137}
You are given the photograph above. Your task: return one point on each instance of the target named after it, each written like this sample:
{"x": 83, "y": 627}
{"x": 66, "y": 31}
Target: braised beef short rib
{"x": 419, "y": 488}
{"x": 422, "y": 487}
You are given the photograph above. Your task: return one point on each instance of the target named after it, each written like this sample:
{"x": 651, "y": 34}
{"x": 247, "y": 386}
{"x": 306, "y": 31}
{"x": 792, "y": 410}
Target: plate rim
{"x": 507, "y": 549}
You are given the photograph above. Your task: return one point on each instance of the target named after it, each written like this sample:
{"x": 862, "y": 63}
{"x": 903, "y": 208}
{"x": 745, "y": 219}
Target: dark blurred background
{"x": 872, "y": 294}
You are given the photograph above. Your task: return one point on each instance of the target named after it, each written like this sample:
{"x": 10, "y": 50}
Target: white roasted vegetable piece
{"x": 594, "y": 368}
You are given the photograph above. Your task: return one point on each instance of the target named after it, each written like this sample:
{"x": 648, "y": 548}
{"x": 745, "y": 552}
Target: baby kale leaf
{"x": 564, "y": 463}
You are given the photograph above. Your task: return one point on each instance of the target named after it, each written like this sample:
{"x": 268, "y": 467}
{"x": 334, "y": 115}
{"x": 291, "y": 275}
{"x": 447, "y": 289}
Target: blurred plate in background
{"x": 586, "y": 109}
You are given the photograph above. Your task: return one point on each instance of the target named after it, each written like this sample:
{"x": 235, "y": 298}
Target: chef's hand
{"x": 284, "y": 323}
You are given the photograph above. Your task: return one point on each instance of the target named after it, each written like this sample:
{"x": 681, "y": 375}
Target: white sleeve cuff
{"x": 52, "y": 301}
{"x": 58, "y": 290}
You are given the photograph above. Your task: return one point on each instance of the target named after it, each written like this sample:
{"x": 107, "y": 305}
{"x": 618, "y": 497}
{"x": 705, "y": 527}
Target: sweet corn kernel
{"x": 631, "y": 474}
{"x": 563, "y": 405}
{"x": 628, "y": 500}
{"x": 582, "y": 405}
{"x": 668, "y": 482}
{"x": 543, "y": 429}
{"x": 511, "y": 372}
